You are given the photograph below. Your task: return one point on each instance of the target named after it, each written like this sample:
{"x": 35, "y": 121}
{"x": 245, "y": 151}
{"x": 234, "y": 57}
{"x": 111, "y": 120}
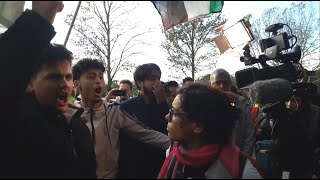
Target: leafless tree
{"x": 105, "y": 31}
{"x": 305, "y": 24}
{"x": 189, "y": 46}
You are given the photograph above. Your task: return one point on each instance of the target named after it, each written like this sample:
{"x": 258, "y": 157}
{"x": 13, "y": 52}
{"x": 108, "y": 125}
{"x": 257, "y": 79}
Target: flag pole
{"x": 72, "y": 23}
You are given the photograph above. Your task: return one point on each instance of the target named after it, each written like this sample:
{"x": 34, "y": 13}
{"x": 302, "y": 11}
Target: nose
{"x": 167, "y": 117}
{"x": 63, "y": 83}
{"x": 66, "y": 83}
{"x": 98, "y": 80}
{"x": 222, "y": 85}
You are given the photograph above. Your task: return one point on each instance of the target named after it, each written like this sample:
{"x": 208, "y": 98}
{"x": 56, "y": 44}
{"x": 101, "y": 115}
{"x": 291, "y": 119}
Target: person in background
{"x": 244, "y": 135}
{"x": 125, "y": 86}
{"x": 201, "y": 123}
{"x": 303, "y": 128}
{"x": 150, "y": 107}
{"x": 187, "y": 80}
{"x": 171, "y": 89}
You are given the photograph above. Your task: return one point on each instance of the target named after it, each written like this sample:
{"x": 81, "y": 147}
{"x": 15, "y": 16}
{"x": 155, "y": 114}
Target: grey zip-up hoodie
{"x": 107, "y": 120}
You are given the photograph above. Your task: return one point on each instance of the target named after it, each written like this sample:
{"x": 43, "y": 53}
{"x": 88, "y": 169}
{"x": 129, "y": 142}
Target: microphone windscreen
{"x": 270, "y": 91}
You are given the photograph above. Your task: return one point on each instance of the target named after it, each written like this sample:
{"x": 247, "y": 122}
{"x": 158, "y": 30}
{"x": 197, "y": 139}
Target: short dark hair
{"x": 84, "y": 65}
{"x": 211, "y": 108}
{"x": 52, "y": 54}
{"x": 144, "y": 71}
{"x": 125, "y": 81}
{"x": 187, "y": 79}
{"x": 220, "y": 72}
{"x": 169, "y": 84}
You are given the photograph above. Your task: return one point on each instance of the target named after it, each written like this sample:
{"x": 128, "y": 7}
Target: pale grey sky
{"x": 233, "y": 10}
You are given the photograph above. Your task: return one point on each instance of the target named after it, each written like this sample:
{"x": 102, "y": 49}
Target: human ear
{"x": 76, "y": 85}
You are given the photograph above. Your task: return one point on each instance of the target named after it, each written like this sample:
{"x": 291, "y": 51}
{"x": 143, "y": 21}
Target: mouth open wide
{"x": 62, "y": 98}
{"x": 98, "y": 90}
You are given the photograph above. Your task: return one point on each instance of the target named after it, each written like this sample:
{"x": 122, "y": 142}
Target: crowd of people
{"x": 166, "y": 132}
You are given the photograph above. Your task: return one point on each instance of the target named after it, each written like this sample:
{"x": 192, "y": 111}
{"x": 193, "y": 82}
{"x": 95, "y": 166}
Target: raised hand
{"x": 110, "y": 95}
{"x": 158, "y": 91}
{"x": 47, "y": 9}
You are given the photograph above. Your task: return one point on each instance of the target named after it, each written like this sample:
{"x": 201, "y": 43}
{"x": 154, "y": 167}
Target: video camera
{"x": 290, "y": 69}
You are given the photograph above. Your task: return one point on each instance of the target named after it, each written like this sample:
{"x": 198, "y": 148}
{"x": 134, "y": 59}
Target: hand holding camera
{"x": 114, "y": 93}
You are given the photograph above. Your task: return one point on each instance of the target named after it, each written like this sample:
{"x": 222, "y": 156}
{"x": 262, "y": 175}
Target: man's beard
{"x": 149, "y": 93}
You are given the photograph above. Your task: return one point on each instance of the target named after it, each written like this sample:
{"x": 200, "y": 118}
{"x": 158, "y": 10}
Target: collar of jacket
{"x": 97, "y": 113}
{"x": 54, "y": 115}
{"x": 141, "y": 100}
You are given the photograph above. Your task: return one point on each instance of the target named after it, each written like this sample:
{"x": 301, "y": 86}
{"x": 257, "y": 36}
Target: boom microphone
{"x": 270, "y": 91}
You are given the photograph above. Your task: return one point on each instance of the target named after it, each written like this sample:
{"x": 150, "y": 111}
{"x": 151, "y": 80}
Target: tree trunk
{"x": 109, "y": 52}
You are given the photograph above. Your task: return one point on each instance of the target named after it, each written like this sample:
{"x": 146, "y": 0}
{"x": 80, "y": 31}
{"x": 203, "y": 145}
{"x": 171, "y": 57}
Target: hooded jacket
{"x": 105, "y": 124}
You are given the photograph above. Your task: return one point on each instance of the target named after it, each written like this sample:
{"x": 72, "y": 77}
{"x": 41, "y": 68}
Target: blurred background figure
{"x": 244, "y": 135}
{"x": 122, "y": 94}
{"x": 187, "y": 80}
{"x": 171, "y": 88}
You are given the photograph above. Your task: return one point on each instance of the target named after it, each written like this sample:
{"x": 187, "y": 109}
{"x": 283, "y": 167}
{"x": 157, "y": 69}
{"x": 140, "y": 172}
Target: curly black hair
{"x": 53, "y": 54}
{"x": 210, "y": 107}
{"x": 84, "y": 65}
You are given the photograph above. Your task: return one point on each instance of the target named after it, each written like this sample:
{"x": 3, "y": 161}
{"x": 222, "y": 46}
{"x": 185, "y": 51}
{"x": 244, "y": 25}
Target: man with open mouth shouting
{"x": 37, "y": 140}
{"x": 106, "y": 120}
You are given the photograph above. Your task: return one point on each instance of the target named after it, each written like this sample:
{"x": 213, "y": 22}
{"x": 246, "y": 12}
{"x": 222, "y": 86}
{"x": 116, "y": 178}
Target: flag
{"x": 177, "y": 12}
{"x": 10, "y": 11}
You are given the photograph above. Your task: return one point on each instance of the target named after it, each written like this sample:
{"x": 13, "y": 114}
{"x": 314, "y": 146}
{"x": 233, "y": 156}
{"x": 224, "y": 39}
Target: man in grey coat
{"x": 105, "y": 120}
{"x": 244, "y": 135}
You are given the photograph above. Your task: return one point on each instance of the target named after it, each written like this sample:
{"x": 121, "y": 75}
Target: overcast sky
{"x": 233, "y": 10}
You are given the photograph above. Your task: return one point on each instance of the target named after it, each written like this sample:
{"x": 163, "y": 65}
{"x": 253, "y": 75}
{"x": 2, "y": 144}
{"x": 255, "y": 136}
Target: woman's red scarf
{"x": 255, "y": 112}
{"x": 229, "y": 157}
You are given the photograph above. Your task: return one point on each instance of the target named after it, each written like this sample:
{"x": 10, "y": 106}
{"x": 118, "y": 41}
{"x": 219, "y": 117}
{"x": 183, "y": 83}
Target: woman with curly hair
{"x": 201, "y": 124}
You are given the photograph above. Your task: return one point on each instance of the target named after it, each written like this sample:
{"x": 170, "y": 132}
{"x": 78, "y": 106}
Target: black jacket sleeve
{"x": 20, "y": 48}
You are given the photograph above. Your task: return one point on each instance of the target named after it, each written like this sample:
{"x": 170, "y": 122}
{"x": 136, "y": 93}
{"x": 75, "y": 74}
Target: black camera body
{"x": 248, "y": 76}
{"x": 119, "y": 93}
{"x": 290, "y": 69}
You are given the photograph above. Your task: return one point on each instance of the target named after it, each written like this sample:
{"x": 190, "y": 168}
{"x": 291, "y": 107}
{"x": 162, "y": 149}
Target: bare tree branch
{"x": 184, "y": 43}
{"x": 100, "y": 33}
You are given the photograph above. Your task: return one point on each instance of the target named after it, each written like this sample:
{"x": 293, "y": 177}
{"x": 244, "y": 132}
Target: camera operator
{"x": 302, "y": 110}
{"x": 294, "y": 121}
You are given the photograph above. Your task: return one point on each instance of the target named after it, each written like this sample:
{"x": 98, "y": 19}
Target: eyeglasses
{"x": 171, "y": 113}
